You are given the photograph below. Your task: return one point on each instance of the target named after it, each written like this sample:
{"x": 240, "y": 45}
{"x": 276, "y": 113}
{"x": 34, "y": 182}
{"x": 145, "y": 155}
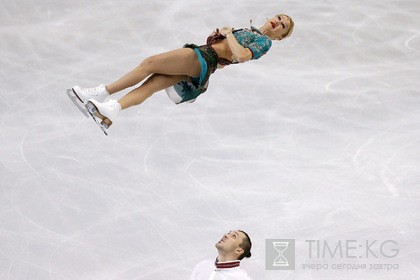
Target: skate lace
{"x": 111, "y": 104}
{"x": 97, "y": 91}
{"x": 111, "y": 108}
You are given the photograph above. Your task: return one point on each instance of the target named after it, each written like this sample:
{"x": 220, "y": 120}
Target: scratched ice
{"x": 318, "y": 140}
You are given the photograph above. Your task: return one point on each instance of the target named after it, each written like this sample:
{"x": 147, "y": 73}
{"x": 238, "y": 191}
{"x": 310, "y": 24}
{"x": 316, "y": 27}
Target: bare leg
{"x": 177, "y": 62}
{"x": 154, "y": 83}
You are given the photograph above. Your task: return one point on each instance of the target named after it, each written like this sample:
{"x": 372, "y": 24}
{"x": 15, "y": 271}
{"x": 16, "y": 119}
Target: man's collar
{"x": 228, "y": 264}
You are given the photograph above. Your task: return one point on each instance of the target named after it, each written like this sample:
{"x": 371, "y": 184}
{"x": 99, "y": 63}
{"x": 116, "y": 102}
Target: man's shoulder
{"x": 241, "y": 275}
{"x": 205, "y": 263}
{"x": 244, "y": 275}
{"x": 206, "y": 266}
{"x": 236, "y": 273}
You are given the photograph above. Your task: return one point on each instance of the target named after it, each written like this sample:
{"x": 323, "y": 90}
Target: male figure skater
{"x": 232, "y": 248}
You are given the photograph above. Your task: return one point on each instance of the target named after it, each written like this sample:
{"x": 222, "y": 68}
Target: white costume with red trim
{"x": 210, "y": 270}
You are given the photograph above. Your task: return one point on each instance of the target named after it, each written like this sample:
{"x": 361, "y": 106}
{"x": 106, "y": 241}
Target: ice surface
{"x": 319, "y": 139}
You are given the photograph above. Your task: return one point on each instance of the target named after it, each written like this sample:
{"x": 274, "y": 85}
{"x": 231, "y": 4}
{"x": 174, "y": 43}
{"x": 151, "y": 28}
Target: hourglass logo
{"x": 280, "y": 254}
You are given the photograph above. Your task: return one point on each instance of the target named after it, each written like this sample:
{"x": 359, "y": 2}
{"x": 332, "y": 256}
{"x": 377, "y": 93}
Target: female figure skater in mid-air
{"x": 184, "y": 72}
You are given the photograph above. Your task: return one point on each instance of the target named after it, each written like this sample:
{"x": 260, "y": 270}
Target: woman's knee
{"x": 149, "y": 64}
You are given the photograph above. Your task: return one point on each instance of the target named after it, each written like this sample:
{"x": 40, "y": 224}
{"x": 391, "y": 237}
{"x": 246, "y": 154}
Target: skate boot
{"x": 106, "y": 112}
{"x": 98, "y": 93}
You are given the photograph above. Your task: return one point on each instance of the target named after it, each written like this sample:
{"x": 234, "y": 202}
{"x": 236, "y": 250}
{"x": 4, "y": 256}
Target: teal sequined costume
{"x": 252, "y": 39}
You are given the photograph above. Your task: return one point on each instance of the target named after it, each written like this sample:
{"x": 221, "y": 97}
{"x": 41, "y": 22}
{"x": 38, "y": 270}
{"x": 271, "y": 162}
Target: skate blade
{"x": 94, "y": 113}
{"x": 73, "y": 97}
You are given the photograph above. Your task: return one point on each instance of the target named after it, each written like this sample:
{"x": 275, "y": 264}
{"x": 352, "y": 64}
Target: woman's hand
{"x": 226, "y": 30}
{"x": 240, "y": 54}
{"x": 216, "y": 32}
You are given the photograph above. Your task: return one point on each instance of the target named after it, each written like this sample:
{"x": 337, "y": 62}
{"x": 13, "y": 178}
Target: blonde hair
{"x": 292, "y": 24}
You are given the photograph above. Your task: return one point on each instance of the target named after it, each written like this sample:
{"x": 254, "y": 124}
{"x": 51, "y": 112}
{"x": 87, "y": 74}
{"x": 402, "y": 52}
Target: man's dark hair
{"x": 246, "y": 245}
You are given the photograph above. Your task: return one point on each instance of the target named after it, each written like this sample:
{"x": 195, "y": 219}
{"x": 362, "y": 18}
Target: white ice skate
{"x": 80, "y": 96}
{"x": 105, "y": 112}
